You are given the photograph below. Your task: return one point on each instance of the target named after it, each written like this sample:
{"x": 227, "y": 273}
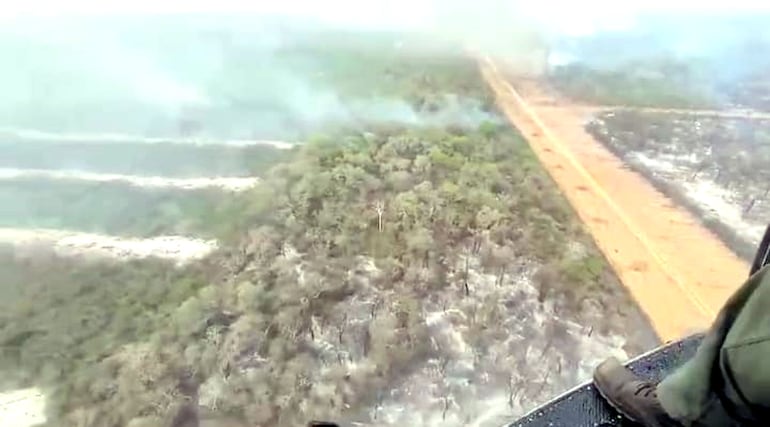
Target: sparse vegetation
{"x": 716, "y": 166}
{"x": 752, "y": 91}
{"x": 644, "y": 83}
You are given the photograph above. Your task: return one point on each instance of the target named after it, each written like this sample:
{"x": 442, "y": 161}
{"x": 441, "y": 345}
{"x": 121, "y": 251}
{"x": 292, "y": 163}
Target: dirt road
{"x": 678, "y": 271}
{"x": 543, "y": 98}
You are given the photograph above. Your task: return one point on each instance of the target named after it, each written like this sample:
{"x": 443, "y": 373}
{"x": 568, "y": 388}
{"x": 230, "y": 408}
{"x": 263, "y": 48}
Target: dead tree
{"x": 341, "y": 328}
{"x": 444, "y": 389}
{"x": 749, "y": 206}
{"x": 379, "y": 207}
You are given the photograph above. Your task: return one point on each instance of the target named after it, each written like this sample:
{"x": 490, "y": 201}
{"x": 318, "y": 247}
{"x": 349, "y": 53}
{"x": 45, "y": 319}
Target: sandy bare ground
{"x": 69, "y": 243}
{"x": 678, "y": 271}
{"x": 32, "y": 134}
{"x": 22, "y": 408}
{"x": 222, "y": 183}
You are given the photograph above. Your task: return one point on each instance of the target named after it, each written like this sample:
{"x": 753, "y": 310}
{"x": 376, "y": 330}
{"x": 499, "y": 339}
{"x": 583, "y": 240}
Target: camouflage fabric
{"x": 727, "y": 382}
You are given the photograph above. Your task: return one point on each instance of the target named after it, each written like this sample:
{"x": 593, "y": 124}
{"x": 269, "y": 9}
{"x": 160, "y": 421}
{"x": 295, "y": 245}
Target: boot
{"x": 634, "y": 398}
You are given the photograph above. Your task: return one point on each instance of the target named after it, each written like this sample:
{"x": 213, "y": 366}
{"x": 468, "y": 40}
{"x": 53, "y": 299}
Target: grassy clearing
{"x": 149, "y": 159}
{"x": 113, "y": 208}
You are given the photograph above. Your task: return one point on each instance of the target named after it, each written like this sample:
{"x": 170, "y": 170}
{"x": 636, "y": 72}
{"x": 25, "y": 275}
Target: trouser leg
{"x": 727, "y": 382}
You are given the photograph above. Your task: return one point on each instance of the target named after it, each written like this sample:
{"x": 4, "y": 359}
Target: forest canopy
{"x": 333, "y": 274}
{"x": 377, "y": 225}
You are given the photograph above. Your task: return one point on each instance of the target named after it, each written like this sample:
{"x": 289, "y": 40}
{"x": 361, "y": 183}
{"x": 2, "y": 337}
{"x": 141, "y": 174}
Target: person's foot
{"x": 634, "y": 398}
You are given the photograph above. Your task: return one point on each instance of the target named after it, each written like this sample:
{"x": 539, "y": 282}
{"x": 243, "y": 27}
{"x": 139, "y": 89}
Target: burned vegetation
{"x": 401, "y": 274}
{"x": 715, "y": 165}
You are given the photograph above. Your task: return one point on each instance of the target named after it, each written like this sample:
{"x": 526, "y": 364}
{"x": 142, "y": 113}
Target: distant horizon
{"x": 562, "y": 17}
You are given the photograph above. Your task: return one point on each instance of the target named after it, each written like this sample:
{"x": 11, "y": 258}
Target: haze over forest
{"x": 396, "y": 254}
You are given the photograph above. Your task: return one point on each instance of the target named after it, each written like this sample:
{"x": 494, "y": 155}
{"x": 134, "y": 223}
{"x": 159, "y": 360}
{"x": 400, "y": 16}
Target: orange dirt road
{"x": 678, "y": 271}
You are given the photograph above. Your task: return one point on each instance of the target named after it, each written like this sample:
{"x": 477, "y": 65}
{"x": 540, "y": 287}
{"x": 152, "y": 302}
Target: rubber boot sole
{"x": 613, "y": 404}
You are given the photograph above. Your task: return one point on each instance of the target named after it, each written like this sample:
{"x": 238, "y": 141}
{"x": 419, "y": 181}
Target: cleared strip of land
{"x": 678, "y": 271}
{"x": 38, "y": 135}
{"x": 70, "y": 243}
{"x": 222, "y": 183}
